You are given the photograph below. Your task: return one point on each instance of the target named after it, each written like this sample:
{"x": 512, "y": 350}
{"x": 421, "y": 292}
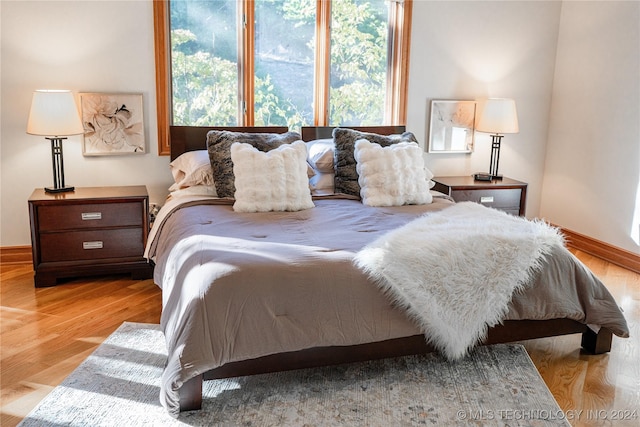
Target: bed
{"x": 255, "y": 292}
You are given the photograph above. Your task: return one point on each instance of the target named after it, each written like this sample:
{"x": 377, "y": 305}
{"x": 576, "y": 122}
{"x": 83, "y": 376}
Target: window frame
{"x": 399, "y": 39}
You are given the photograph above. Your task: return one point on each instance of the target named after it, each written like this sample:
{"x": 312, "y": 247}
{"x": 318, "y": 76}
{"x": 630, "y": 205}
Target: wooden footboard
{"x": 510, "y": 331}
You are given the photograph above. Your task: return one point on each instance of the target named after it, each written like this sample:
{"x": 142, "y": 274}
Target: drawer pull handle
{"x": 92, "y": 245}
{"x": 87, "y": 216}
{"x": 486, "y": 199}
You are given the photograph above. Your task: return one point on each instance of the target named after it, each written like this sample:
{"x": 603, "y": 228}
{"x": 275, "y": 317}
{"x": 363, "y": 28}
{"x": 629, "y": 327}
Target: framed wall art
{"x": 451, "y": 126}
{"x": 113, "y": 124}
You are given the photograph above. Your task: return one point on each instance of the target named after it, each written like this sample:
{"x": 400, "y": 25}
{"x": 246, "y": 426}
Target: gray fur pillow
{"x": 219, "y": 148}
{"x": 346, "y": 178}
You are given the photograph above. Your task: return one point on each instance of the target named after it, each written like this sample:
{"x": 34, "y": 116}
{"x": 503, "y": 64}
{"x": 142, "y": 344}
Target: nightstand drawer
{"x": 91, "y": 245}
{"x": 94, "y": 215}
{"x": 505, "y": 199}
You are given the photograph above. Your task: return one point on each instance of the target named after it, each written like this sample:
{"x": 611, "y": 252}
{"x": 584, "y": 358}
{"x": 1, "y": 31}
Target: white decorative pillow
{"x": 346, "y": 180}
{"x": 393, "y": 175}
{"x": 219, "y": 143}
{"x": 190, "y": 169}
{"x": 271, "y": 181}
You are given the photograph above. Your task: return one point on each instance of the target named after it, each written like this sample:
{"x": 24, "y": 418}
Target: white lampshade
{"x": 54, "y": 113}
{"x": 497, "y": 115}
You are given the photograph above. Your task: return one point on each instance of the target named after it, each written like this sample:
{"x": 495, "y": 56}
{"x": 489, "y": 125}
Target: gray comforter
{"x": 238, "y": 286}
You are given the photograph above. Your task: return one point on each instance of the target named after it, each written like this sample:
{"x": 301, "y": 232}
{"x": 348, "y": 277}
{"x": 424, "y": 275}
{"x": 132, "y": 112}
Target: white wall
{"x": 475, "y": 49}
{"x": 460, "y": 50}
{"x": 84, "y": 46}
{"x": 592, "y": 175}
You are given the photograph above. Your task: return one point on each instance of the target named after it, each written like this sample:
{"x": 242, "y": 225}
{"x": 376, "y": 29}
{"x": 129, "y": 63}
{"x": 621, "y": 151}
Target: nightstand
{"x": 90, "y": 231}
{"x": 504, "y": 194}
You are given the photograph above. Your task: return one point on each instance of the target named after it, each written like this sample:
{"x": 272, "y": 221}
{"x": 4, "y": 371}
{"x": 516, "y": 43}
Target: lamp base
{"x": 482, "y": 176}
{"x": 59, "y": 189}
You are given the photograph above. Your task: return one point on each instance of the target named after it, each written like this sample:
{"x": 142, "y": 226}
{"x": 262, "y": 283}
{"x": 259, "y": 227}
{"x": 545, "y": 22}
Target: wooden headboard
{"x": 310, "y": 133}
{"x": 191, "y": 138}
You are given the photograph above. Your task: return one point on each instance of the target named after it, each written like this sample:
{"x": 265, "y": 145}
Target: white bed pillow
{"x": 310, "y": 170}
{"x": 271, "y": 181}
{"x": 195, "y": 190}
{"x": 321, "y": 184}
{"x": 393, "y": 175}
{"x": 190, "y": 169}
{"x": 320, "y": 154}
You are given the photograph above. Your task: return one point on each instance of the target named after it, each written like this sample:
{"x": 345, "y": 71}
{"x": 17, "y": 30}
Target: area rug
{"x": 118, "y": 385}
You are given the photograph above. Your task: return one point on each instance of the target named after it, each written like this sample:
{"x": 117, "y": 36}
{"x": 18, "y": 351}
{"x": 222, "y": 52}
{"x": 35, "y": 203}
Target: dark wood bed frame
{"x": 191, "y": 138}
{"x": 185, "y": 138}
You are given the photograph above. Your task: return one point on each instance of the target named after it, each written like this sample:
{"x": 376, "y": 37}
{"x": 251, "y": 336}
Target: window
{"x": 280, "y": 62}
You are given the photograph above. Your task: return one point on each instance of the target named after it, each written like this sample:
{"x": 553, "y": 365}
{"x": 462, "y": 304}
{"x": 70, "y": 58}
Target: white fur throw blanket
{"x": 455, "y": 270}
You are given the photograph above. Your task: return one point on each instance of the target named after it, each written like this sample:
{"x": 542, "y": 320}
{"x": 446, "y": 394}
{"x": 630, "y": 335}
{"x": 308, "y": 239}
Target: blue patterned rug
{"x": 118, "y": 385}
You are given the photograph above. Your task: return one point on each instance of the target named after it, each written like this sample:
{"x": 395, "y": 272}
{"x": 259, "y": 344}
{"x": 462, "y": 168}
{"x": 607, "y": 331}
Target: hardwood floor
{"x": 45, "y": 333}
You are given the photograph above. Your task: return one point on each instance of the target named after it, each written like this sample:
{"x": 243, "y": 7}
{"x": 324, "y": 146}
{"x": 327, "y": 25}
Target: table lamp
{"x": 496, "y": 116}
{"x": 54, "y": 115}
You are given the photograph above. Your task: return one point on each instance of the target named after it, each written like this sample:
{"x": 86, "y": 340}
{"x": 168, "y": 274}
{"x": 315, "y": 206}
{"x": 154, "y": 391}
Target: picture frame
{"x": 451, "y": 126}
{"x": 113, "y": 124}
